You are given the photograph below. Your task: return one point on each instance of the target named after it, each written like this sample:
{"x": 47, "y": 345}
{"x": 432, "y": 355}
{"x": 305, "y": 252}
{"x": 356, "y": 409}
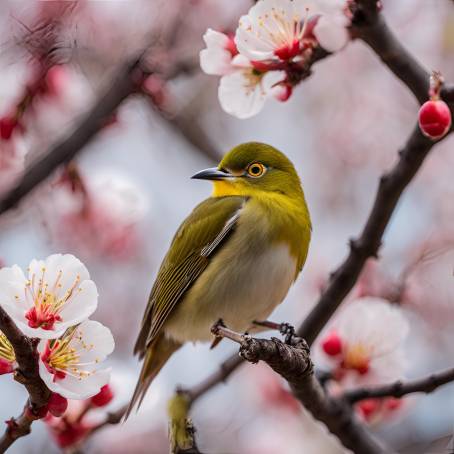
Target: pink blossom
{"x": 97, "y": 215}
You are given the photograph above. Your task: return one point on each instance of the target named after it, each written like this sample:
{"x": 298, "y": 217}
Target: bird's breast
{"x": 246, "y": 279}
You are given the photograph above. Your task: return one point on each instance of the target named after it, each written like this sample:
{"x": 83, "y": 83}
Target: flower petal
{"x": 331, "y": 35}
{"x": 93, "y": 342}
{"x": 216, "y": 58}
{"x": 242, "y": 97}
{"x": 81, "y": 305}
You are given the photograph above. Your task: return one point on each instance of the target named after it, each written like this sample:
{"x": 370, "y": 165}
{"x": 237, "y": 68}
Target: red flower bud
{"x": 103, "y": 397}
{"x": 57, "y": 404}
{"x": 7, "y": 125}
{"x": 368, "y": 407}
{"x": 332, "y": 344}
{"x": 393, "y": 404}
{"x": 71, "y": 434}
{"x": 6, "y": 367}
{"x": 283, "y": 91}
{"x": 434, "y": 119}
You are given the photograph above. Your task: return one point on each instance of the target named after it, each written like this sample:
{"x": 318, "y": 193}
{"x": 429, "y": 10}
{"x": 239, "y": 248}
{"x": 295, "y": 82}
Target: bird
{"x": 233, "y": 258}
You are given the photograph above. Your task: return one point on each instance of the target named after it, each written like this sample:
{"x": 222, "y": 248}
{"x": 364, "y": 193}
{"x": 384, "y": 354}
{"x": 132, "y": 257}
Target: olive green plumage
{"x": 234, "y": 257}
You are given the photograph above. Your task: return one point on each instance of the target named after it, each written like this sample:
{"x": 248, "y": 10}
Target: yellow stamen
{"x": 6, "y": 349}
{"x": 65, "y": 355}
{"x": 357, "y": 356}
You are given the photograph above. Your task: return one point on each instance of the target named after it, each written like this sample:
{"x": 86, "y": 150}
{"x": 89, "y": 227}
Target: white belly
{"x": 237, "y": 287}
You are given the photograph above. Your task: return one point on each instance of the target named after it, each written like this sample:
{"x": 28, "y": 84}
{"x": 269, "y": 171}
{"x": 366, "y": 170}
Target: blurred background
{"x": 342, "y": 128}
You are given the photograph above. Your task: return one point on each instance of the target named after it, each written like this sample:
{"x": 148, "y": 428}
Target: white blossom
{"x": 57, "y": 294}
{"x": 331, "y": 28}
{"x": 243, "y": 92}
{"x": 276, "y": 29}
{"x": 369, "y": 335}
{"x": 217, "y": 58}
{"x": 69, "y": 365}
{"x": 99, "y": 219}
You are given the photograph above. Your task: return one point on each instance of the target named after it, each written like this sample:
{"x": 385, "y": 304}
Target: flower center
{"x": 252, "y": 78}
{"x": 282, "y": 33}
{"x": 357, "y": 357}
{"x": 62, "y": 356}
{"x": 46, "y": 301}
{"x": 288, "y": 51}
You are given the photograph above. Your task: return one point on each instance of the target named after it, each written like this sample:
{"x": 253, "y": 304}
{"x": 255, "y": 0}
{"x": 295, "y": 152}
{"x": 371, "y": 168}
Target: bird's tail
{"x": 157, "y": 354}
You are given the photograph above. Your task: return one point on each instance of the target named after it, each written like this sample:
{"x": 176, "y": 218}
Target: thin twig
{"x": 111, "y": 418}
{"x": 17, "y": 428}
{"x": 220, "y": 376}
{"x": 401, "y": 388}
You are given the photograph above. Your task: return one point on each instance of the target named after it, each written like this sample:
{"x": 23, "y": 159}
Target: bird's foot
{"x": 288, "y": 331}
{"x": 285, "y": 329}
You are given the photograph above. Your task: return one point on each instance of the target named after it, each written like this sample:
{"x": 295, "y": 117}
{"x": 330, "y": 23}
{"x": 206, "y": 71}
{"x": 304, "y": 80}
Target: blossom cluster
{"x": 52, "y": 94}
{"x": 362, "y": 346}
{"x": 96, "y": 214}
{"x": 72, "y": 429}
{"x": 271, "y": 50}
{"x": 53, "y": 303}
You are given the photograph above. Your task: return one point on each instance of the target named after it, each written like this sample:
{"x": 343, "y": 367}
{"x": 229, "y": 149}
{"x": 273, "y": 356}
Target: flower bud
{"x": 282, "y": 92}
{"x": 332, "y": 344}
{"x": 393, "y": 403}
{"x": 57, "y": 405}
{"x": 368, "y": 407}
{"x": 72, "y": 434}
{"x": 103, "y": 397}
{"x": 7, "y": 126}
{"x": 434, "y": 119}
{"x": 6, "y": 367}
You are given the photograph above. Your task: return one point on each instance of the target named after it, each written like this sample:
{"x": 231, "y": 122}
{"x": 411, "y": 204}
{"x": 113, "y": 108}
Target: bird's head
{"x": 252, "y": 169}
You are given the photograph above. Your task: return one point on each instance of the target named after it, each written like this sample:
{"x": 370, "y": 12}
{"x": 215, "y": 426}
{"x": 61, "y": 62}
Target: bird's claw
{"x": 288, "y": 331}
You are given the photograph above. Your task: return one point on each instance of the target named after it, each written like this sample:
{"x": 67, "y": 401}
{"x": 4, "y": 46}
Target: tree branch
{"x": 391, "y": 187}
{"x": 294, "y": 364}
{"x": 27, "y": 360}
{"x": 225, "y": 370}
{"x": 124, "y": 83}
{"x": 17, "y": 427}
{"x": 112, "y": 418}
{"x": 400, "y": 388}
{"x": 27, "y": 374}
{"x": 369, "y": 25}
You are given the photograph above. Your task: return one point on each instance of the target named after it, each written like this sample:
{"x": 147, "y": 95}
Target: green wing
{"x": 190, "y": 253}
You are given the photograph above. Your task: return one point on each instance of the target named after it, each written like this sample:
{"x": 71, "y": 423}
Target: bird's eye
{"x": 256, "y": 170}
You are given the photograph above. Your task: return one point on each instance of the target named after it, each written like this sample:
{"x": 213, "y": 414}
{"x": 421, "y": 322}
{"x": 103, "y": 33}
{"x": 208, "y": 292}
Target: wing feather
{"x": 191, "y": 251}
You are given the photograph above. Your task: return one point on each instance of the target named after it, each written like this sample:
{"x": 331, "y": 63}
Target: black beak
{"x": 212, "y": 174}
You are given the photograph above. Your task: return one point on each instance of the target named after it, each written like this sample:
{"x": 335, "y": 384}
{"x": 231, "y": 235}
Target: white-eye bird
{"x": 234, "y": 258}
